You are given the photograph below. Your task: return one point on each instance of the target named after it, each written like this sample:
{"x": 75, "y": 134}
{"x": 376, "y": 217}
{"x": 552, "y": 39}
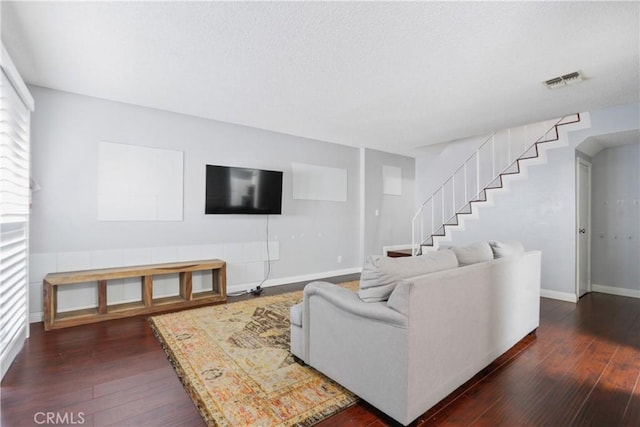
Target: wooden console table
{"x": 400, "y": 253}
{"x": 104, "y": 311}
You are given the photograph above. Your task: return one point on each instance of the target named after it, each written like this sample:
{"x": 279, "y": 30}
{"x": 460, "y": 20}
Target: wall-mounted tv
{"x": 232, "y": 190}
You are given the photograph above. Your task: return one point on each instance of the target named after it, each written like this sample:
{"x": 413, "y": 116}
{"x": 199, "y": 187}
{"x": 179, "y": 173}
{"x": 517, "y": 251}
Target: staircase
{"x": 485, "y": 170}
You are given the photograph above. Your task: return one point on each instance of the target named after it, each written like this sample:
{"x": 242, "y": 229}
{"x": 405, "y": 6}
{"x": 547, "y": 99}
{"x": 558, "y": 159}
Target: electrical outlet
{"x": 339, "y": 259}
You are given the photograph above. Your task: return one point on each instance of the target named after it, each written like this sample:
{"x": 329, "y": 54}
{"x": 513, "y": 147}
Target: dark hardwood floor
{"x": 582, "y": 368}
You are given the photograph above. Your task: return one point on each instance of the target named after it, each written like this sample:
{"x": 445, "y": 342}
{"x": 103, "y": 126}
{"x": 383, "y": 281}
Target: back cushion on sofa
{"x": 471, "y": 254}
{"x": 505, "y": 249}
{"x": 381, "y": 274}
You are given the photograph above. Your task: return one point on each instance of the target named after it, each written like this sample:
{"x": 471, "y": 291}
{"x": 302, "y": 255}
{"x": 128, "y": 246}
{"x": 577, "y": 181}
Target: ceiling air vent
{"x": 565, "y": 80}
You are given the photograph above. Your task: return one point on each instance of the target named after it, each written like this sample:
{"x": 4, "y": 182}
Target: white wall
{"x": 66, "y": 235}
{"x": 540, "y": 211}
{"x": 436, "y": 163}
{"x": 615, "y": 213}
{"x": 387, "y": 217}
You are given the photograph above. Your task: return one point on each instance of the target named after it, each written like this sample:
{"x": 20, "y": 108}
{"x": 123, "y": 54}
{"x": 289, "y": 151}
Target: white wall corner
{"x": 35, "y": 317}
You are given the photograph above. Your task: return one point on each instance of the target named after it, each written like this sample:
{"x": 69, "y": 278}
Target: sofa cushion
{"x": 399, "y": 298}
{"x": 380, "y": 274}
{"x": 504, "y": 249}
{"x": 471, "y": 254}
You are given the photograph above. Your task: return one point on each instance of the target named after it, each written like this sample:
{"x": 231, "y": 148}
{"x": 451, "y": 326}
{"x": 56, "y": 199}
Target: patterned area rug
{"x": 234, "y": 362}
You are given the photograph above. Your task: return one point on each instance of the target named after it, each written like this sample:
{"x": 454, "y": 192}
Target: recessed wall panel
{"x": 138, "y": 183}
{"x": 312, "y": 182}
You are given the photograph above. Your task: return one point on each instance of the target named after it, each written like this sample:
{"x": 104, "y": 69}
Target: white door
{"x": 583, "y": 225}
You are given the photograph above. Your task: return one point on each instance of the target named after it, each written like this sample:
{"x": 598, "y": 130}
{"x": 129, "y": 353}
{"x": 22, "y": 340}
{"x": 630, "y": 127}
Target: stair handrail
{"x": 416, "y": 247}
{"x": 456, "y": 171}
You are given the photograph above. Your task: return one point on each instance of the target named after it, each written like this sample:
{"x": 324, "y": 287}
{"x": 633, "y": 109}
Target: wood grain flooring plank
{"x": 568, "y": 395}
{"x": 119, "y": 415}
{"x": 631, "y": 416}
{"x": 613, "y": 391}
{"x": 360, "y": 414}
{"x": 17, "y": 412}
{"x": 583, "y": 361}
{"x": 558, "y": 391}
{"x": 131, "y": 381}
{"x": 113, "y": 400}
{"x": 174, "y": 414}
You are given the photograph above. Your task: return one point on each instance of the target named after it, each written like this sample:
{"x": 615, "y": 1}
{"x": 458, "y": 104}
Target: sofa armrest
{"x": 361, "y": 345}
{"x": 350, "y": 302}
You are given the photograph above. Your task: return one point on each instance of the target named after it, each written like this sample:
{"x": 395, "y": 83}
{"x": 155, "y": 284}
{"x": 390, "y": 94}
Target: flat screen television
{"x": 232, "y": 190}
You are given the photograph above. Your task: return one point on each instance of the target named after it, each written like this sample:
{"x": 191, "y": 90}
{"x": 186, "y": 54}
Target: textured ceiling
{"x": 391, "y": 76}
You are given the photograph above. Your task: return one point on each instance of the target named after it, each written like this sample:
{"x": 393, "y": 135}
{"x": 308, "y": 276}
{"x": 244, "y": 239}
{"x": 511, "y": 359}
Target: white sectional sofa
{"x": 425, "y": 329}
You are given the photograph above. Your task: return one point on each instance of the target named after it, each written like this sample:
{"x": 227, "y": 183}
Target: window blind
{"x": 14, "y": 157}
{"x": 14, "y": 215}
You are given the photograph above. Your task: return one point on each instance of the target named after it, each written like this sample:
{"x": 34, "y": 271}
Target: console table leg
{"x": 219, "y": 278}
{"x": 102, "y": 297}
{"x": 147, "y": 290}
{"x": 49, "y": 304}
{"x": 186, "y": 291}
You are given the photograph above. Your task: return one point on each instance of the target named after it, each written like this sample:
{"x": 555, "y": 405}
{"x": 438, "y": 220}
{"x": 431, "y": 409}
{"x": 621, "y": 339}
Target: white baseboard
{"x": 38, "y": 316}
{"x": 562, "y": 296}
{"x": 294, "y": 279}
{"x": 613, "y": 290}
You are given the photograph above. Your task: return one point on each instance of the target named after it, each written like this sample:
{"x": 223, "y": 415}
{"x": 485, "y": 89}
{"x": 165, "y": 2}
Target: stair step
{"x": 482, "y": 197}
{"x": 466, "y": 209}
{"x": 573, "y": 118}
{"x": 531, "y": 153}
{"x": 551, "y": 139}
{"x": 513, "y": 169}
{"x": 439, "y": 232}
{"x": 550, "y": 135}
{"x": 496, "y": 183}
